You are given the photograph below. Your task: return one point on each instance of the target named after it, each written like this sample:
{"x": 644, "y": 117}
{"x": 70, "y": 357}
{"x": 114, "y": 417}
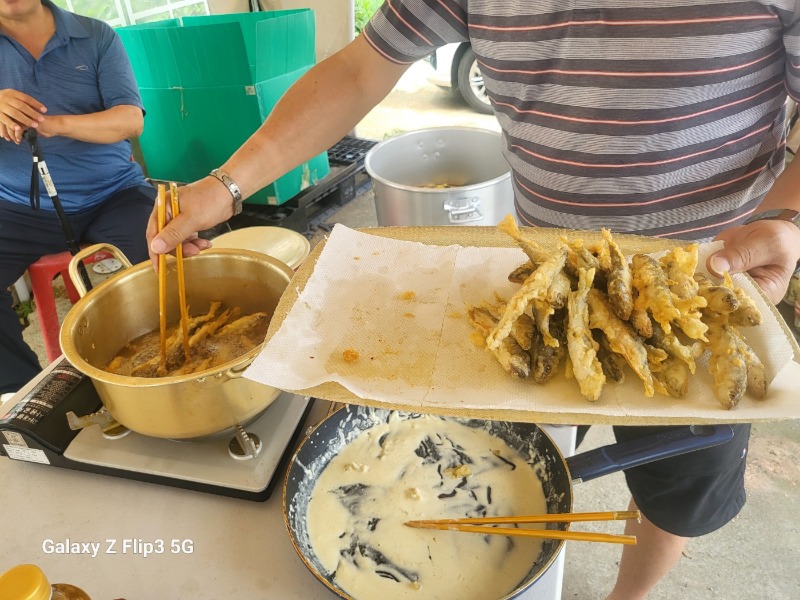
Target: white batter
{"x": 423, "y": 468}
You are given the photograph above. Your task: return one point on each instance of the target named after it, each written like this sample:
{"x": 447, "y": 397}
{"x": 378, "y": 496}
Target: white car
{"x": 456, "y": 67}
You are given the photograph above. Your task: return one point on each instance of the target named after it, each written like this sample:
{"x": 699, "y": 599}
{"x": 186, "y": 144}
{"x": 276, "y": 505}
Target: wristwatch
{"x": 778, "y": 214}
{"x": 229, "y": 183}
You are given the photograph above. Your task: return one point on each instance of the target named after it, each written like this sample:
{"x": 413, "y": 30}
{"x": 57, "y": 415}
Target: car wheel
{"x": 470, "y": 83}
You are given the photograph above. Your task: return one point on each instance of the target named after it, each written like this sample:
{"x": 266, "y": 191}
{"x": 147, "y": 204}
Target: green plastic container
{"x": 209, "y": 82}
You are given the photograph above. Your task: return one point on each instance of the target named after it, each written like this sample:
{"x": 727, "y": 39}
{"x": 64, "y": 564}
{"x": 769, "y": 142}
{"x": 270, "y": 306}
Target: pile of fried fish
{"x": 215, "y": 338}
{"x": 594, "y": 311}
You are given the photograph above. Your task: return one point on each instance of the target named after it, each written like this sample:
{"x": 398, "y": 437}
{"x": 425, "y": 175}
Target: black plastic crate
{"x": 305, "y": 211}
{"x": 350, "y": 150}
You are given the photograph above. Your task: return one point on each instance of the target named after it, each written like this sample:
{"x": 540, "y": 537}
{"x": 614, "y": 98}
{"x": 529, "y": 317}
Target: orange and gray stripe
{"x": 666, "y": 120}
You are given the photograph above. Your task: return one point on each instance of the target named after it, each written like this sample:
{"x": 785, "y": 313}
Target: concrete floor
{"x": 757, "y": 556}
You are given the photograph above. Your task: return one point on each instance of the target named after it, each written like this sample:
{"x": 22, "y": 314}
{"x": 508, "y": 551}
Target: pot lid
{"x": 289, "y": 247}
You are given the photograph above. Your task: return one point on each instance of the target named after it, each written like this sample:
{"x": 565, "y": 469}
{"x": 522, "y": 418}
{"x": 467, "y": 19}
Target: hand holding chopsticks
{"x": 161, "y": 214}
{"x": 478, "y": 525}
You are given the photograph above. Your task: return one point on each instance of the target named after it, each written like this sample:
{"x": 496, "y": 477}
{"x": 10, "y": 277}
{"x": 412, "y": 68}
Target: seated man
{"x": 68, "y": 77}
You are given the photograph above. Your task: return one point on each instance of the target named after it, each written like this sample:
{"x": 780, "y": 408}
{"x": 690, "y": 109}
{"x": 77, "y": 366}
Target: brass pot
{"x": 125, "y": 307}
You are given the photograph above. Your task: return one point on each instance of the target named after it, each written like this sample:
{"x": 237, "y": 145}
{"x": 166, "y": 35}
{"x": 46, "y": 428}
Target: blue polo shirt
{"x": 83, "y": 69}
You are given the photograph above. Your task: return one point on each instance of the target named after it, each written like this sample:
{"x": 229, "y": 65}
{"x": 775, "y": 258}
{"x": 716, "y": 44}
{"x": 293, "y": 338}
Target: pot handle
{"x": 238, "y": 371}
{"x": 235, "y": 372}
{"x": 463, "y": 210}
{"x": 625, "y": 455}
{"x": 87, "y": 252}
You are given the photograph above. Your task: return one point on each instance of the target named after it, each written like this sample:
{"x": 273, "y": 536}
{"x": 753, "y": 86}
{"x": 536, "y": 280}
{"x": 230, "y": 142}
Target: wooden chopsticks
{"x": 479, "y": 525}
{"x": 161, "y": 218}
{"x": 161, "y": 214}
{"x": 176, "y": 209}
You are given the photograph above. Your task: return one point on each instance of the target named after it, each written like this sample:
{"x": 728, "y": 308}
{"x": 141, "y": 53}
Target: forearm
{"x": 785, "y": 192}
{"x": 314, "y": 114}
{"x": 105, "y": 127}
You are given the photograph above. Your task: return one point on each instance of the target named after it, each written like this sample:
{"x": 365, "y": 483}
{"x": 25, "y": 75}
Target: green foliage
{"x": 116, "y": 13}
{"x": 23, "y": 309}
{"x": 364, "y": 9}
{"x": 104, "y": 11}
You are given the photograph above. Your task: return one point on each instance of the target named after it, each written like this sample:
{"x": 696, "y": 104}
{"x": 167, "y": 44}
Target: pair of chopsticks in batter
{"x": 479, "y": 525}
{"x": 161, "y": 216}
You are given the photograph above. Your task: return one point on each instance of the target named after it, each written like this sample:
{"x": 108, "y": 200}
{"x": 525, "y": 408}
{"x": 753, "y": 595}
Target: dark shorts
{"x": 26, "y": 235}
{"x": 692, "y": 494}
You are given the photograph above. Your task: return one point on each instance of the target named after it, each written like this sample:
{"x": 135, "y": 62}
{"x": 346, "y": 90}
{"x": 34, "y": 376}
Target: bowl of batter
{"x": 363, "y": 472}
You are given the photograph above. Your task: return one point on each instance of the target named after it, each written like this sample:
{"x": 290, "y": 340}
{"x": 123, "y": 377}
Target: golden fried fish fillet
{"x": 622, "y": 339}
{"x": 719, "y": 298}
{"x": 671, "y": 377}
{"x": 558, "y": 292}
{"x": 613, "y": 364}
{"x": 620, "y": 286}
{"x": 641, "y": 322}
{"x": 692, "y": 325}
{"x": 147, "y": 363}
{"x": 601, "y": 252}
{"x": 654, "y": 293}
{"x": 747, "y": 313}
{"x": 670, "y": 343}
{"x": 523, "y": 328}
{"x": 679, "y": 266}
{"x": 726, "y": 364}
{"x": 580, "y": 258}
{"x": 756, "y": 372}
{"x": 532, "y": 250}
{"x": 545, "y": 358}
{"x": 243, "y": 324}
{"x": 581, "y": 346}
{"x": 534, "y": 288}
{"x": 522, "y": 272}
{"x": 509, "y": 353}
{"x": 542, "y": 311}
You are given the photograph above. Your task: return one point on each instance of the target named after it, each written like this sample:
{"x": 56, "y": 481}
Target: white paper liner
{"x": 400, "y": 307}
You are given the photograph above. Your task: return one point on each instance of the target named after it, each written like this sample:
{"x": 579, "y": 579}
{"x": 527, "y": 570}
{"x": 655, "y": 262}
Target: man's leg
{"x": 25, "y": 236}
{"x": 122, "y": 221}
{"x": 645, "y": 564}
{"x": 680, "y": 497}
{"x": 18, "y": 363}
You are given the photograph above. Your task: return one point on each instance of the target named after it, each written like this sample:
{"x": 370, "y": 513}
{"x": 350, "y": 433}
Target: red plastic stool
{"x": 42, "y": 273}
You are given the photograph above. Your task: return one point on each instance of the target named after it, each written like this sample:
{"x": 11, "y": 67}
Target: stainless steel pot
{"x": 409, "y": 173}
{"x": 125, "y": 307}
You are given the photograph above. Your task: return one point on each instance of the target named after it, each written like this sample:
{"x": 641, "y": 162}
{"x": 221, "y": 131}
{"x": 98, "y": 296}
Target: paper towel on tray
{"x": 385, "y": 319}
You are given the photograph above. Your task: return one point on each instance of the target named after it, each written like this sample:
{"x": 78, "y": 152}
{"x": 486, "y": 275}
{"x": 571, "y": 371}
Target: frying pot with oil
{"x": 125, "y": 307}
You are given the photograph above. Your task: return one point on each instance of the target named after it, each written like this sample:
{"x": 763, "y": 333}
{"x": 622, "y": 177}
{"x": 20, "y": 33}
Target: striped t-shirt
{"x": 664, "y": 117}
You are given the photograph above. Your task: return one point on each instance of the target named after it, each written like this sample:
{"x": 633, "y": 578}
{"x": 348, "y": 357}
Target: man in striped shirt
{"x": 663, "y": 118}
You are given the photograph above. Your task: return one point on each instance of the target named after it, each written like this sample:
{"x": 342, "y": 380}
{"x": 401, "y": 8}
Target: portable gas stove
{"x": 35, "y": 427}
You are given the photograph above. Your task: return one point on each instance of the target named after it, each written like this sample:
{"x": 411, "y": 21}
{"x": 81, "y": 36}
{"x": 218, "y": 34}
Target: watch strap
{"x": 229, "y": 183}
{"x": 777, "y": 214}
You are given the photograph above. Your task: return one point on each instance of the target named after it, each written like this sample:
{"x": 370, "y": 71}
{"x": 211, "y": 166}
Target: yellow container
{"x": 24, "y": 582}
{"x": 28, "y": 582}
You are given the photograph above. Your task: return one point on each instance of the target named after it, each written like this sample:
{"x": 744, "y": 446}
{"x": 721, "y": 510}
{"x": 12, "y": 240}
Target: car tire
{"x": 470, "y": 83}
